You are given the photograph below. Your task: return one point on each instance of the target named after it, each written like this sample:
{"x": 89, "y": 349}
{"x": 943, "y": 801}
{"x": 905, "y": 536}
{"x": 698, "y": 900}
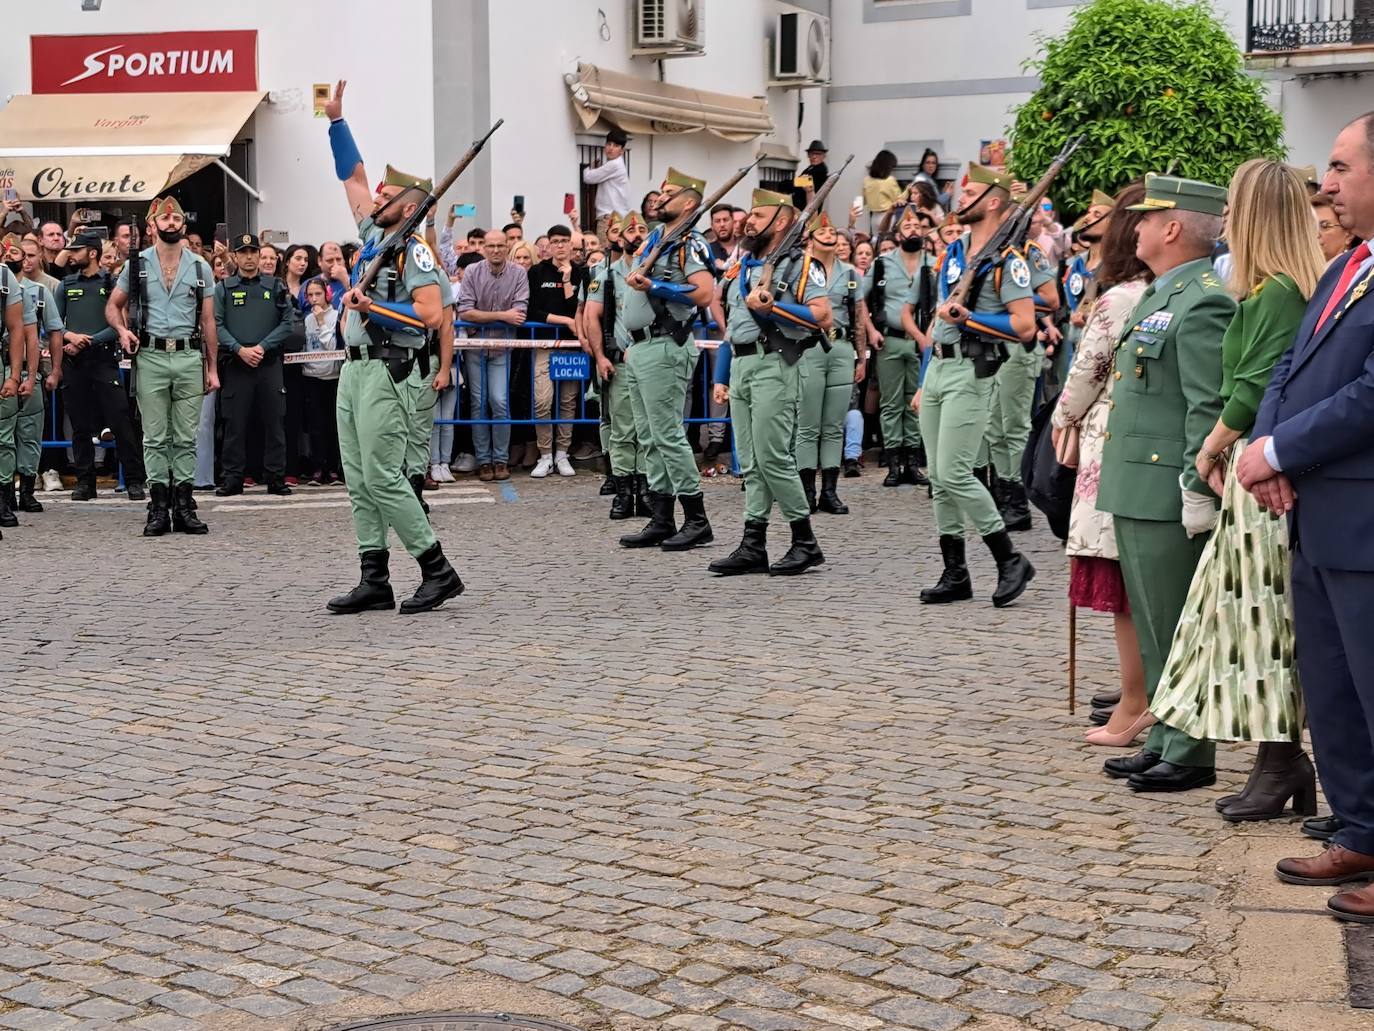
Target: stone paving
{"x": 601, "y": 787}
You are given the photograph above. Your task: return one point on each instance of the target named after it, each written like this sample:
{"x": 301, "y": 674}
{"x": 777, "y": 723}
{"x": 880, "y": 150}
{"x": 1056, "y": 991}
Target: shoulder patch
{"x": 1020, "y": 274}
{"x": 1041, "y": 260}
{"x": 594, "y": 286}
{"x": 816, "y": 274}
{"x": 423, "y": 257}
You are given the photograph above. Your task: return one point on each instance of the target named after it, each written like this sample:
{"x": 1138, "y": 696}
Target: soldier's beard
{"x": 756, "y": 245}
{"x": 970, "y": 216}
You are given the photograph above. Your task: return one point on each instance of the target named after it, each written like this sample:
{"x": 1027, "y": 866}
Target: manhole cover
{"x": 459, "y": 1022}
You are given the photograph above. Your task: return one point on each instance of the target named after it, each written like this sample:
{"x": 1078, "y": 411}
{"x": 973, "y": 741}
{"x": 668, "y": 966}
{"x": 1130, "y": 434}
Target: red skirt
{"x": 1096, "y": 583}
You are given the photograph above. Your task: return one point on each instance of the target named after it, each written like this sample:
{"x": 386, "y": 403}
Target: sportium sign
{"x": 147, "y": 62}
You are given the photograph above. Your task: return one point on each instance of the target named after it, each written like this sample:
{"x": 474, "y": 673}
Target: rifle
{"x": 137, "y": 304}
{"x": 396, "y": 242}
{"x": 683, "y": 224}
{"x": 792, "y": 237}
{"x": 1014, "y": 228}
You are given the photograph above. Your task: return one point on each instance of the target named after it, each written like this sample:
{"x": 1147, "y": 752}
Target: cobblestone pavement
{"x": 600, "y": 787}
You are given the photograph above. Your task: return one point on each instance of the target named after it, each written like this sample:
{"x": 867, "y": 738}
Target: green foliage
{"x": 1147, "y": 83}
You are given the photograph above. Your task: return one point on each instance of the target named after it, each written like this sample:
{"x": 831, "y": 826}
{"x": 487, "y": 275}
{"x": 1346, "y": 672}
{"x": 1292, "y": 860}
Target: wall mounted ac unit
{"x": 801, "y": 50}
{"x": 670, "y": 28}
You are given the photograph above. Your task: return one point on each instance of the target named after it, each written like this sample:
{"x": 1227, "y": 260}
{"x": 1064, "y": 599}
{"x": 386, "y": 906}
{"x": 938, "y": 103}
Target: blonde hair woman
{"x": 1230, "y": 673}
{"x": 523, "y": 254}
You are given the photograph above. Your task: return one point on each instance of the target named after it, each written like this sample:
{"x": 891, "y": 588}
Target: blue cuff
{"x": 1271, "y": 456}
{"x": 721, "y": 372}
{"x": 671, "y": 292}
{"x": 346, "y": 154}
{"x": 996, "y": 323}
{"x": 787, "y": 314}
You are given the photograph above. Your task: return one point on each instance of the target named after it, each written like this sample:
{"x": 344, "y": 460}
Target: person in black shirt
{"x": 555, "y": 285}
{"x": 815, "y": 170}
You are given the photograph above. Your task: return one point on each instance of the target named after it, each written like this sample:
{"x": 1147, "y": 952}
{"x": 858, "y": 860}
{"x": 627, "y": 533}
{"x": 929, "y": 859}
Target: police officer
{"x": 608, "y": 293}
{"x": 21, "y": 444}
{"x": 20, "y": 371}
{"x": 173, "y": 350}
{"x": 769, "y": 332}
{"x": 970, "y": 339}
{"x": 660, "y": 307}
{"x": 253, "y": 320}
{"x": 94, "y": 394}
{"x": 384, "y": 329}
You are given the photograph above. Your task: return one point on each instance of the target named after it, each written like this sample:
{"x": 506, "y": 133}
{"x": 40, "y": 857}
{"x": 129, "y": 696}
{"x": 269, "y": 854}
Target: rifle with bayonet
{"x": 682, "y": 225}
{"x": 394, "y": 244}
{"x": 791, "y": 237}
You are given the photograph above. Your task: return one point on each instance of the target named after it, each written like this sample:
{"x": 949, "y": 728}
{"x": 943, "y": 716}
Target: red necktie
{"x": 1352, "y": 265}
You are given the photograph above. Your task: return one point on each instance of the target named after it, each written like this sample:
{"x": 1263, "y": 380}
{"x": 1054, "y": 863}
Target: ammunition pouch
{"x": 987, "y": 353}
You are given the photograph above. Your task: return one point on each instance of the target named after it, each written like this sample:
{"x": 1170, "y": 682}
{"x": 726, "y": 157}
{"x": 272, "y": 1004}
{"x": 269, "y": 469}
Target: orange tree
{"x": 1149, "y": 84}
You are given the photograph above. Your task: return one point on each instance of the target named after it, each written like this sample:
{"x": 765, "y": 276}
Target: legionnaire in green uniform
{"x": 828, "y": 376}
{"x": 1165, "y": 400}
{"x": 956, "y": 399}
{"x": 21, "y": 442}
{"x": 253, "y": 319}
{"x": 173, "y": 355}
{"x": 384, "y": 330}
{"x": 426, "y": 384}
{"x": 21, "y": 401}
{"x": 607, "y": 293}
{"x": 94, "y": 394}
{"x": 768, "y": 336}
{"x": 891, "y": 288}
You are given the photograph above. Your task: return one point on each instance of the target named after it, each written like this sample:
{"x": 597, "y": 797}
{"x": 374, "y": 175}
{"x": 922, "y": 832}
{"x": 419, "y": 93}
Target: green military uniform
{"x": 10, "y": 293}
{"x": 828, "y": 379}
{"x": 1165, "y": 400}
{"x": 622, "y": 439}
{"x": 1014, "y": 386}
{"x": 424, "y": 402}
{"x": 21, "y": 431}
{"x": 899, "y": 361}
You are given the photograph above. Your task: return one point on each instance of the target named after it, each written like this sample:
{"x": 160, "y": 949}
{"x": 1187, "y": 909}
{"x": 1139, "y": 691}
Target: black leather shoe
{"x": 85, "y": 491}
{"x": 1123, "y": 766}
{"x": 1100, "y": 717}
{"x": 894, "y": 468}
{"x": 1014, "y": 571}
{"x": 661, "y": 525}
{"x": 27, "y": 502}
{"x": 750, "y": 557}
{"x": 184, "y": 518}
{"x": 1105, "y": 698}
{"x": 373, "y": 592}
{"x": 808, "y": 482}
{"x": 802, "y": 555}
{"x": 279, "y": 489}
{"x": 132, "y": 491}
{"x": 439, "y": 582}
{"x": 851, "y": 469}
{"x": 228, "y": 490}
{"x": 159, "y": 518}
{"x": 829, "y": 501}
{"x": 954, "y": 583}
{"x": 695, "y": 530}
{"x": 1323, "y": 828}
{"x": 1169, "y": 777}
{"x": 1282, "y": 771}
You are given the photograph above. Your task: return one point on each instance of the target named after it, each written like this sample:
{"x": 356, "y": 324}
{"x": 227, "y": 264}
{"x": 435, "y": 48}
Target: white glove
{"x": 1199, "y": 511}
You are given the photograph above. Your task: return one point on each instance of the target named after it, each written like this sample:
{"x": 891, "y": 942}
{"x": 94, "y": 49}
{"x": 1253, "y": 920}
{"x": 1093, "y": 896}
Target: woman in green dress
{"x": 1230, "y": 674}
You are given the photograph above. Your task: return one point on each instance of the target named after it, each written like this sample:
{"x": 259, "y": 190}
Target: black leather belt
{"x": 743, "y": 350}
{"x": 638, "y": 336}
{"x": 169, "y": 344}
{"x": 947, "y": 350}
{"x": 381, "y": 354}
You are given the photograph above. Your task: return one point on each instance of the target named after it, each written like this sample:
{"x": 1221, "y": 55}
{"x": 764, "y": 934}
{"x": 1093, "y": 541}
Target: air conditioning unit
{"x": 670, "y": 28}
{"x": 801, "y": 50}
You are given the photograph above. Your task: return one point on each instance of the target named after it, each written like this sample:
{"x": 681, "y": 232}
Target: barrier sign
{"x": 573, "y": 365}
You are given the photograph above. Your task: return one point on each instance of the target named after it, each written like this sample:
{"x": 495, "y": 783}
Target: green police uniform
{"x": 1014, "y": 387}
{"x": 169, "y": 365}
{"x": 622, "y": 439}
{"x": 828, "y": 379}
{"x": 899, "y": 361}
{"x": 21, "y": 421}
{"x": 376, "y": 403}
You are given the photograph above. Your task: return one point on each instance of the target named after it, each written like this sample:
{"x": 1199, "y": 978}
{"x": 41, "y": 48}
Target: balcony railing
{"x": 1287, "y": 25}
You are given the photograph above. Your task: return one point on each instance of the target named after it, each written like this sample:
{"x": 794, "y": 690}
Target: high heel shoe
{"x": 1101, "y": 736}
{"x": 1283, "y": 771}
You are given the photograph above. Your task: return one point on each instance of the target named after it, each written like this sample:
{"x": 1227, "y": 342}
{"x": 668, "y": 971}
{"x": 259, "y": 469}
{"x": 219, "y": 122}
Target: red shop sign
{"x": 146, "y": 62}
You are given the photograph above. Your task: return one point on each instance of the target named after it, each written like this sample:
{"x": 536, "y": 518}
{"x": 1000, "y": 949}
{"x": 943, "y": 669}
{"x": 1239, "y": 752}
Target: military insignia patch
{"x": 954, "y": 271}
{"x": 1042, "y": 263}
{"x": 423, "y": 258}
{"x": 817, "y": 275}
{"x": 595, "y": 286}
{"x": 1076, "y": 284}
{"x": 1020, "y": 274}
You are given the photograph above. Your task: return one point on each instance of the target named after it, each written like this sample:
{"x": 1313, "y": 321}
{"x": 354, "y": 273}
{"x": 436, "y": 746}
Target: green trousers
{"x": 1157, "y": 563}
{"x": 827, "y": 383}
{"x": 169, "y": 386}
{"x": 954, "y": 417}
{"x": 1009, "y": 426}
{"x": 619, "y": 437}
{"x": 21, "y": 433}
{"x": 423, "y": 404}
{"x": 765, "y": 393}
{"x": 661, "y": 372}
{"x": 375, "y": 416}
{"x": 899, "y": 376}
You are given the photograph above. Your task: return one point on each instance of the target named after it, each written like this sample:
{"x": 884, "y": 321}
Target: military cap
{"x": 687, "y": 182}
{"x": 617, "y": 222}
{"x": 1104, "y": 200}
{"x": 989, "y": 177}
{"x": 634, "y": 218}
{"x": 769, "y": 199}
{"x": 821, "y": 221}
{"x": 243, "y": 242}
{"x": 395, "y": 177}
{"x": 86, "y": 240}
{"x": 10, "y": 242}
{"x": 165, "y": 206}
{"x": 1169, "y": 192}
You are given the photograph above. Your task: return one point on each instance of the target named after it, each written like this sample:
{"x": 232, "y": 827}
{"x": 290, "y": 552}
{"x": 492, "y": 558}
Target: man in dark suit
{"x": 1312, "y": 456}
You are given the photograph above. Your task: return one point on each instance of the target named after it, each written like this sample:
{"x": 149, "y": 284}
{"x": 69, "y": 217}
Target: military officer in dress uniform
{"x": 384, "y": 330}
{"x": 173, "y": 353}
{"x": 769, "y": 333}
{"x": 1165, "y": 399}
{"x": 21, "y": 407}
{"x": 94, "y": 394}
{"x": 21, "y": 443}
{"x": 18, "y": 355}
{"x": 660, "y": 308}
{"x": 253, "y": 320}
{"x": 970, "y": 340}
{"x": 607, "y": 292}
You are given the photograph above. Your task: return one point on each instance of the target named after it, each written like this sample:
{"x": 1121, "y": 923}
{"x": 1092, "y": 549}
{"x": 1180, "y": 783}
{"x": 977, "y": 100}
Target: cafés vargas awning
{"x": 645, "y": 106}
{"x": 114, "y": 146}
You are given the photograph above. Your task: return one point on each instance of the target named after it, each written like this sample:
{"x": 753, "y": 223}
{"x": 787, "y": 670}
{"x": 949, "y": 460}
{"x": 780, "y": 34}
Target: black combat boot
{"x": 623, "y": 505}
{"x": 894, "y": 467}
{"x": 642, "y": 506}
{"x": 7, "y": 504}
{"x": 1015, "y": 506}
{"x": 27, "y": 502}
{"x": 661, "y": 524}
{"x": 911, "y": 468}
{"x": 1014, "y": 571}
{"x": 374, "y": 587}
{"x": 417, "y": 484}
{"x": 750, "y": 557}
{"x": 85, "y": 488}
{"x": 983, "y": 474}
{"x": 439, "y": 582}
{"x": 802, "y": 555}
{"x": 610, "y": 484}
{"x": 1282, "y": 771}
{"x": 184, "y": 518}
{"x": 159, "y": 519}
{"x": 954, "y": 583}
{"x": 808, "y": 482}
{"x": 695, "y": 531}
{"x": 829, "y": 500}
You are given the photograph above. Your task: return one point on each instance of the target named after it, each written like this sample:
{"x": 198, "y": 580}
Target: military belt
{"x": 384, "y": 353}
{"x": 170, "y": 344}
{"x": 638, "y": 336}
{"x": 744, "y": 350}
{"x": 940, "y": 350}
